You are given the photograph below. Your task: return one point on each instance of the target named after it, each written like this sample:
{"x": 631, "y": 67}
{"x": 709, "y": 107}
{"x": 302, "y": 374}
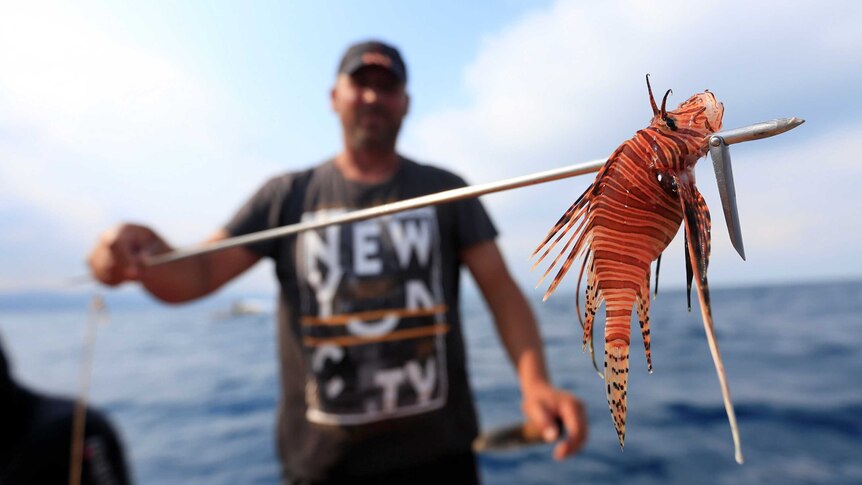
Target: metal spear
{"x": 724, "y": 177}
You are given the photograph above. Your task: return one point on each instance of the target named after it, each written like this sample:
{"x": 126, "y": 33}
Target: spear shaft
{"x": 382, "y": 210}
{"x": 737, "y": 135}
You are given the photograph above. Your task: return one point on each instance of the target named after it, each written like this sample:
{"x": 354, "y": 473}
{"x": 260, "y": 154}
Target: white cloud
{"x": 571, "y": 79}
{"x": 97, "y": 130}
{"x": 97, "y": 92}
{"x": 806, "y": 193}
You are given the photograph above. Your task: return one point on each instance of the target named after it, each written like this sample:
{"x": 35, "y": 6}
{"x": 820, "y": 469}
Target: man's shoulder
{"x": 433, "y": 174}
{"x": 285, "y": 180}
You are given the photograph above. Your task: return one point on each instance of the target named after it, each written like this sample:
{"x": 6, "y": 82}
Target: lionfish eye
{"x": 666, "y": 182}
{"x": 670, "y": 123}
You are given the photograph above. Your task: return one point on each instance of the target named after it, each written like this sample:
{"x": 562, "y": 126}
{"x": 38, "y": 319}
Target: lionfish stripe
{"x": 629, "y": 227}
{"x": 630, "y": 165}
{"x": 625, "y": 259}
{"x": 620, "y": 200}
{"x": 618, "y": 285}
{"x": 655, "y": 213}
{"x": 644, "y": 204}
{"x": 667, "y": 145}
{"x": 634, "y": 247}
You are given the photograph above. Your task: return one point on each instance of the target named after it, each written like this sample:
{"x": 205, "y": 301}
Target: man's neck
{"x": 367, "y": 167}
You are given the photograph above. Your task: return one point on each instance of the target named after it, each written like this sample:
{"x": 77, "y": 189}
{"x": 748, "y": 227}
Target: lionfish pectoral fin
{"x": 689, "y": 275}
{"x": 616, "y": 380}
{"x": 578, "y": 289}
{"x": 578, "y": 238}
{"x": 591, "y": 306}
{"x": 561, "y": 222}
{"x": 593, "y": 357}
{"x": 561, "y": 227}
{"x": 569, "y": 222}
{"x": 697, "y": 233}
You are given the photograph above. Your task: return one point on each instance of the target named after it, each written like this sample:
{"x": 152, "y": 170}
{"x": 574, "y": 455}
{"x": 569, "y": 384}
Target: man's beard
{"x": 378, "y": 138}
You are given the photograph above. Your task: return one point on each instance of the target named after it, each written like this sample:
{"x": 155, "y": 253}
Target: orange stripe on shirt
{"x": 351, "y": 340}
{"x": 344, "y": 318}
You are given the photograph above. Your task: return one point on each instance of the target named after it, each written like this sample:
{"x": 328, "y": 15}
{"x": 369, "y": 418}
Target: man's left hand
{"x": 544, "y": 404}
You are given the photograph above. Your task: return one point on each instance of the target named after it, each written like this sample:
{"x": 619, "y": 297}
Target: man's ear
{"x": 332, "y": 99}
{"x": 406, "y": 103}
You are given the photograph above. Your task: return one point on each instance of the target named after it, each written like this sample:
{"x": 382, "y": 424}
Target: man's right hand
{"x": 120, "y": 253}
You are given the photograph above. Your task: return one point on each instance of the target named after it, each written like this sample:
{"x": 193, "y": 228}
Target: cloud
{"x": 98, "y": 93}
{"x": 566, "y": 84}
{"x": 94, "y": 130}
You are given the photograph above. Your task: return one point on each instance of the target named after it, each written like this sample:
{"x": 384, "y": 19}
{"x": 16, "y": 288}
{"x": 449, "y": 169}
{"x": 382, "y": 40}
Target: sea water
{"x": 194, "y": 394}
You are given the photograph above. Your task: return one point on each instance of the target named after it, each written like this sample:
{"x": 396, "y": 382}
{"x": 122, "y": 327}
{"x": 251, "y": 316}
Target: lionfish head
{"x": 700, "y": 114}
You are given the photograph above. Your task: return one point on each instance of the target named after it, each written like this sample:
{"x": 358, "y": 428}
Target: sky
{"x": 172, "y": 113}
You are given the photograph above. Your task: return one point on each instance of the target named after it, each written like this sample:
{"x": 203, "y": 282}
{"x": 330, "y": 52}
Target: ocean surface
{"x": 194, "y": 395}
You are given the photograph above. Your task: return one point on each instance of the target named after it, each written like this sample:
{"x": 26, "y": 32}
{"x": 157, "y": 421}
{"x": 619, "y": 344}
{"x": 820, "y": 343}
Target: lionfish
{"x": 624, "y": 221}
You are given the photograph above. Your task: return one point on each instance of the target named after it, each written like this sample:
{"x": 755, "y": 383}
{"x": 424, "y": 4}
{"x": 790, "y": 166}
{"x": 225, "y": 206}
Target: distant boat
{"x": 242, "y": 307}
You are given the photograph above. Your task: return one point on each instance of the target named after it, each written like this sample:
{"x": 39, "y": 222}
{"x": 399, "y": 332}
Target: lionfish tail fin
{"x": 616, "y": 380}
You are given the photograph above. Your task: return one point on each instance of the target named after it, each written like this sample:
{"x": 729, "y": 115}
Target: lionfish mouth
{"x": 713, "y": 111}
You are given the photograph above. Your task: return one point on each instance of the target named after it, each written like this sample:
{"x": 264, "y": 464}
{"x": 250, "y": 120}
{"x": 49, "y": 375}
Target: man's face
{"x": 371, "y": 103}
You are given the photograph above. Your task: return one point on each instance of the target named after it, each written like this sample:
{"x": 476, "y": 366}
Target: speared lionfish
{"x": 625, "y": 220}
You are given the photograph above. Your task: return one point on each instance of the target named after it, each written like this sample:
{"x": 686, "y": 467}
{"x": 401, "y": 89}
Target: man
{"x": 374, "y": 381}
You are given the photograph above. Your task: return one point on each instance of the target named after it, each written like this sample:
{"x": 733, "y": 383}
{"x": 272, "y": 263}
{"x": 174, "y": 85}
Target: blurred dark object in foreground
{"x": 36, "y": 438}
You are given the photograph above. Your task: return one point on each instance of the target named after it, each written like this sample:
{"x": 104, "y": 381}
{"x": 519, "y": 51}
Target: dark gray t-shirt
{"x": 371, "y": 350}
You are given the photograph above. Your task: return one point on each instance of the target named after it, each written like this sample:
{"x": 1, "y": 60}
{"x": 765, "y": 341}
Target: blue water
{"x": 194, "y": 397}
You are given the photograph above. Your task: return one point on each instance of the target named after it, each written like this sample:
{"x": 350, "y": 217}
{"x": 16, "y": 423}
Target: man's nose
{"x": 370, "y": 95}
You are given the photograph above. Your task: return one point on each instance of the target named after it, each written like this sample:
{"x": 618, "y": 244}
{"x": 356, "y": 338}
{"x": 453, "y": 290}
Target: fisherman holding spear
{"x": 374, "y": 384}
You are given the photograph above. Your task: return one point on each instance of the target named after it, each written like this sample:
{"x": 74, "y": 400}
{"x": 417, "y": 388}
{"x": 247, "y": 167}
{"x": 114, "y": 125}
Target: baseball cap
{"x": 373, "y": 53}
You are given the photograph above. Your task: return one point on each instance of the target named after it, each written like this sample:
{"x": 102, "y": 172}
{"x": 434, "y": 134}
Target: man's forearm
{"x": 520, "y": 335}
{"x": 515, "y": 322}
{"x": 192, "y": 278}
{"x": 179, "y": 281}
